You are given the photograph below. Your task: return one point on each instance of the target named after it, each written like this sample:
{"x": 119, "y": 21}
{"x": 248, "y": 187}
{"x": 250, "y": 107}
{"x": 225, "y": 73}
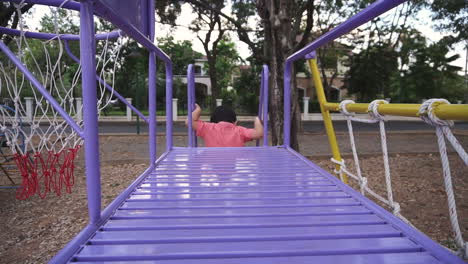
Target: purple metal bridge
{"x": 221, "y": 205}
{"x": 251, "y": 205}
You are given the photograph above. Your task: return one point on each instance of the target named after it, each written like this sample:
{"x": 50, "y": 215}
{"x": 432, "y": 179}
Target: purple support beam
{"x": 260, "y": 104}
{"x": 372, "y": 11}
{"x": 190, "y": 103}
{"x": 195, "y": 139}
{"x": 41, "y": 89}
{"x": 265, "y": 76}
{"x": 51, "y": 36}
{"x": 152, "y": 88}
{"x": 72, "y": 5}
{"x": 131, "y": 31}
{"x": 287, "y": 104}
{"x": 263, "y": 104}
{"x": 168, "y": 106}
{"x": 91, "y": 142}
{"x": 108, "y": 87}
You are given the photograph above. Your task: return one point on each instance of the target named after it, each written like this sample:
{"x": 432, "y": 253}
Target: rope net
{"x": 43, "y": 144}
{"x": 443, "y": 132}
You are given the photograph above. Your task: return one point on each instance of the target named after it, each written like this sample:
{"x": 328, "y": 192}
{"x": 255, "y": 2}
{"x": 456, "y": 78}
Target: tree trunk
{"x": 278, "y": 45}
{"x": 214, "y": 82}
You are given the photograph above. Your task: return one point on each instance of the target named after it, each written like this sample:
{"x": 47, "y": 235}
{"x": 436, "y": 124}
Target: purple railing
{"x": 263, "y": 104}
{"x": 191, "y": 105}
{"x": 50, "y": 36}
{"x": 362, "y": 17}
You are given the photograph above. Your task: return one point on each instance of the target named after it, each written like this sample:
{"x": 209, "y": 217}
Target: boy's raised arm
{"x": 195, "y": 116}
{"x": 258, "y": 129}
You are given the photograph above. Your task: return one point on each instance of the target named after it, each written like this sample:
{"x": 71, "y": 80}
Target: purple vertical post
{"x": 287, "y": 104}
{"x": 195, "y": 141}
{"x": 190, "y": 103}
{"x": 168, "y": 105}
{"x": 265, "y": 76}
{"x": 91, "y": 140}
{"x": 152, "y": 88}
{"x": 260, "y": 103}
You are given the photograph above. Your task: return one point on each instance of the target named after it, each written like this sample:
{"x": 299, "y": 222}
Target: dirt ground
{"x": 34, "y": 230}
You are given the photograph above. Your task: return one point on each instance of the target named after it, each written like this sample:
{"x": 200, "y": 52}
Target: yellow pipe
{"x": 326, "y": 116}
{"x": 442, "y": 111}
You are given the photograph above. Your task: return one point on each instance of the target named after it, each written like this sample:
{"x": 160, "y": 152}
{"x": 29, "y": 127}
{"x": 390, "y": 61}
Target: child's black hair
{"x": 223, "y": 114}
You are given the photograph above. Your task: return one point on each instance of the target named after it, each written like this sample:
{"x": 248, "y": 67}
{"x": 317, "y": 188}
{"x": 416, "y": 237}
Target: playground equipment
{"x": 263, "y": 204}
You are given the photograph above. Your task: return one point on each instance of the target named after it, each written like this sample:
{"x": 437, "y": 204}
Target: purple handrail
{"x": 108, "y": 87}
{"x": 49, "y": 36}
{"x": 263, "y": 105}
{"x": 72, "y": 5}
{"x": 265, "y": 76}
{"x": 195, "y": 139}
{"x": 362, "y": 17}
{"x": 152, "y": 88}
{"x": 190, "y": 103}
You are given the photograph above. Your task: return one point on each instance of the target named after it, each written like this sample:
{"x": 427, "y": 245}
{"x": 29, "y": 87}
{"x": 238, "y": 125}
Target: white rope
{"x": 443, "y": 131}
{"x": 48, "y": 131}
{"x": 375, "y": 117}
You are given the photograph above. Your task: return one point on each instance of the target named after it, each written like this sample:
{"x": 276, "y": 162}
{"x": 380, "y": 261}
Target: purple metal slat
{"x": 314, "y": 198}
{"x": 215, "y": 182}
{"x": 247, "y": 238}
{"x": 113, "y": 227}
{"x": 296, "y": 187}
{"x": 228, "y": 211}
{"x": 234, "y": 207}
{"x": 401, "y": 258}
{"x": 250, "y": 249}
{"x": 239, "y": 232}
{"x": 313, "y": 220}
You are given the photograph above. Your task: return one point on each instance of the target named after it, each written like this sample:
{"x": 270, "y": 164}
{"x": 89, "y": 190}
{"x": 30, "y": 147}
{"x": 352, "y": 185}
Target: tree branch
{"x": 309, "y": 23}
{"x": 241, "y": 31}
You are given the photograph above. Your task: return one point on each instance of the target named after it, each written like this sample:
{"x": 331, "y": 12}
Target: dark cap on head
{"x": 223, "y": 114}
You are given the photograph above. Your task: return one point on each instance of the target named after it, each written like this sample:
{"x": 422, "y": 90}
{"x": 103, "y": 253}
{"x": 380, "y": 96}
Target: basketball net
{"x": 43, "y": 145}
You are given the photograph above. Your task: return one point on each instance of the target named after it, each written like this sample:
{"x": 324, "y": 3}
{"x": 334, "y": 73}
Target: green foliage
{"x": 428, "y": 72}
{"x": 181, "y": 53}
{"x": 227, "y": 59}
{"x": 452, "y": 16}
{"x": 247, "y": 87}
{"x": 372, "y": 72}
{"x": 416, "y": 70}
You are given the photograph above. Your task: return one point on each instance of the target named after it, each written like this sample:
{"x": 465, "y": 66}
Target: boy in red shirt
{"x": 223, "y": 130}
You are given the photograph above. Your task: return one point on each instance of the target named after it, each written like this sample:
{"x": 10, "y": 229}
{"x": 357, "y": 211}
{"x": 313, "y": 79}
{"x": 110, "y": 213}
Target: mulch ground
{"x": 33, "y": 231}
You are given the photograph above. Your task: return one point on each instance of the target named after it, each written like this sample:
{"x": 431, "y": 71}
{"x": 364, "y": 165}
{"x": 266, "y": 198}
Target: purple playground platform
{"x": 252, "y": 205}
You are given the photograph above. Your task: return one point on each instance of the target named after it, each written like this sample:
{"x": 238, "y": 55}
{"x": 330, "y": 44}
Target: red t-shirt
{"x": 223, "y": 134}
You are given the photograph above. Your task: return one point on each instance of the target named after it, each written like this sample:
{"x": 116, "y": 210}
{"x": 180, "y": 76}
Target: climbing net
{"x": 443, "y": 132}
{"x": 43, "y": 143}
